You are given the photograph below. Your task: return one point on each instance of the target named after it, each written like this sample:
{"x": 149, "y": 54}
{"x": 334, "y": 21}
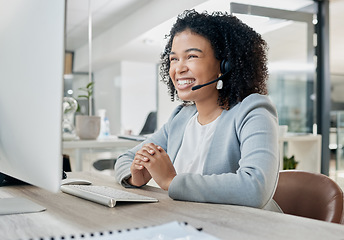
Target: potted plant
{"x": 87, "y": 126}
{"x": 289, "y": 163}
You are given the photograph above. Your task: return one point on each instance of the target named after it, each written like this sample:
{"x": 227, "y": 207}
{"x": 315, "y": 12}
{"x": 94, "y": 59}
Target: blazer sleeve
{"x": 254, "y": 182}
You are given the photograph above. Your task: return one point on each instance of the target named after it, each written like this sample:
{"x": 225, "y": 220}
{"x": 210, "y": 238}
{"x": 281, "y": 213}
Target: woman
{"x": 220, "y": 145}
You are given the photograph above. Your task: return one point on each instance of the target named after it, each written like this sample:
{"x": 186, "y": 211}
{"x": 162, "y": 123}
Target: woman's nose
{"x": 181, "y": 66}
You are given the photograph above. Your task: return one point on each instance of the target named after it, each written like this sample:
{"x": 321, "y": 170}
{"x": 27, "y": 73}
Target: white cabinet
{"x": 305, "y": 148}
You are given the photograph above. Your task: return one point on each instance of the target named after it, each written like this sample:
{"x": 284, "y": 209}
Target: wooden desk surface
{"x": 67, "y": 215}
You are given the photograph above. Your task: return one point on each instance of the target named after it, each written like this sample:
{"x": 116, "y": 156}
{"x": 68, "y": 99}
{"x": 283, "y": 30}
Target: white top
{"x": 195, "y": 146}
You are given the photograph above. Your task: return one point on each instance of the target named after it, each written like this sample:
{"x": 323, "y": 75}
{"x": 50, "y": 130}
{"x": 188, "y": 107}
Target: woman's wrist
{"x": 131, "y": 182}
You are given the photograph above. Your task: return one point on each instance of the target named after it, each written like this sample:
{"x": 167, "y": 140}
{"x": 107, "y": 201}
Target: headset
{"x": 224, "y": 68}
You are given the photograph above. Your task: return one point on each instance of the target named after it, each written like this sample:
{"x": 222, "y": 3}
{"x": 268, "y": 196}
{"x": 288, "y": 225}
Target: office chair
{"x": 66, "y": 163}
{"x": 148, "y": 128}
{"x": 310, "y": 195}
{"x": 150, "y": 124}
{"x": 102, "y": 164}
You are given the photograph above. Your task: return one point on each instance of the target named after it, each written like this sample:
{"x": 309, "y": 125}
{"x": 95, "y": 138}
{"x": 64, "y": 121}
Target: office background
{"x": 128, "y": 37}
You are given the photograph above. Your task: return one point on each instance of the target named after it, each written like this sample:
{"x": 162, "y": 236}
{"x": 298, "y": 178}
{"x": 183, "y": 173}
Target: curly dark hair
{"x": 231, "y": 40}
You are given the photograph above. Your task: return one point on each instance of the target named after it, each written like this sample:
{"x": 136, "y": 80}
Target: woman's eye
{"x": 173, "y": 59}
{"x": 192, "y": 56}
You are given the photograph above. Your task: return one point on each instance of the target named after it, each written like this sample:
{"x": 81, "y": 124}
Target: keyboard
{"x": 104, "y": 195}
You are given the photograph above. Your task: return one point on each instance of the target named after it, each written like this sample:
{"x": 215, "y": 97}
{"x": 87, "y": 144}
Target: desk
{"x": 111, "y": 142}
{"x": 306, "y": 149}
{"x": 66, "y": 215}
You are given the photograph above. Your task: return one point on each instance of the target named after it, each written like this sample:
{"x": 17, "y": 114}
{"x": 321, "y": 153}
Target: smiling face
{"x": 192, "y": 62}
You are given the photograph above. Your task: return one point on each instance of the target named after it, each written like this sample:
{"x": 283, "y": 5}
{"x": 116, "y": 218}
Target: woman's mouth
{"x": 185, "y": 82}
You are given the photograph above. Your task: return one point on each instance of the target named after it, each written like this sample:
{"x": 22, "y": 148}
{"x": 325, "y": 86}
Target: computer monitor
{"x": 31, "y": 90}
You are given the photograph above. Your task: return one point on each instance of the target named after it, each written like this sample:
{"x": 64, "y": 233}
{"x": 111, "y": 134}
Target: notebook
{"x": 168, "y": 231}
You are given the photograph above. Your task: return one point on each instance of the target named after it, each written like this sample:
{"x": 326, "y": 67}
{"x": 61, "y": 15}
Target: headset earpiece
{"x": 224, "y": 66}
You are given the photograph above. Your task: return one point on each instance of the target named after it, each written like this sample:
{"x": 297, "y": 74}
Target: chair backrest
{"x": 310, "y": 195}
{"x": 150, "y": 124}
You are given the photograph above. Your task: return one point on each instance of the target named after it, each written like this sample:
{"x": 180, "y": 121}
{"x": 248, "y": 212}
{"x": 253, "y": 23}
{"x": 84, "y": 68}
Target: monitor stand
{"x": 16, "y": 205}
{"x": 6, "y": 180}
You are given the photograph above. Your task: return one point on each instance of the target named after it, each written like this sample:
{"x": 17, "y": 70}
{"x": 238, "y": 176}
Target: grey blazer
{"x": 242, "y": 165}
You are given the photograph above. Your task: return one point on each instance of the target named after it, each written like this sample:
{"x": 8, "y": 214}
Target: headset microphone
{"x": 206, "y": 84}
{"x": 224, "y": 67}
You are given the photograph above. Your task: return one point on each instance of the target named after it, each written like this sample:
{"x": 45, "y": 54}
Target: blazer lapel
{"x": 178, "y": 125}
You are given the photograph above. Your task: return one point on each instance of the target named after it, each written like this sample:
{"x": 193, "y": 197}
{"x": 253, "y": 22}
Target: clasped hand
{"x": 151, "y": 161}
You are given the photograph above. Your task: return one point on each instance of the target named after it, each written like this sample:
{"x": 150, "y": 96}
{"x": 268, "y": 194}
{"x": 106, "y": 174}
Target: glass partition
{"x": 340, "y": 141}
{"x": 72, "y": 83}
{"x": 293, "y": 94}
{"x": 289, "y": 34}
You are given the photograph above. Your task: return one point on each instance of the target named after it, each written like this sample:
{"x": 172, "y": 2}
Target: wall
{"x": 128, "y": 92}
{"x": 139, "y": 94}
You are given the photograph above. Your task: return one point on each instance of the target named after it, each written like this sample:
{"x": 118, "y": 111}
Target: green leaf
{"x": 83, "y": 96}
{"x": 90, "y": 85}
{"x": 289, "y": 163}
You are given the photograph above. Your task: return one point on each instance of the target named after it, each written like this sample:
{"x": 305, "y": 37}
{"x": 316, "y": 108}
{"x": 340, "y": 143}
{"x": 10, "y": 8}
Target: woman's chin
{"x": 185, "y": 98}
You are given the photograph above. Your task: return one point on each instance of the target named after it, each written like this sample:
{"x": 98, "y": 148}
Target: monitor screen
{"x": 31, "y": 90}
